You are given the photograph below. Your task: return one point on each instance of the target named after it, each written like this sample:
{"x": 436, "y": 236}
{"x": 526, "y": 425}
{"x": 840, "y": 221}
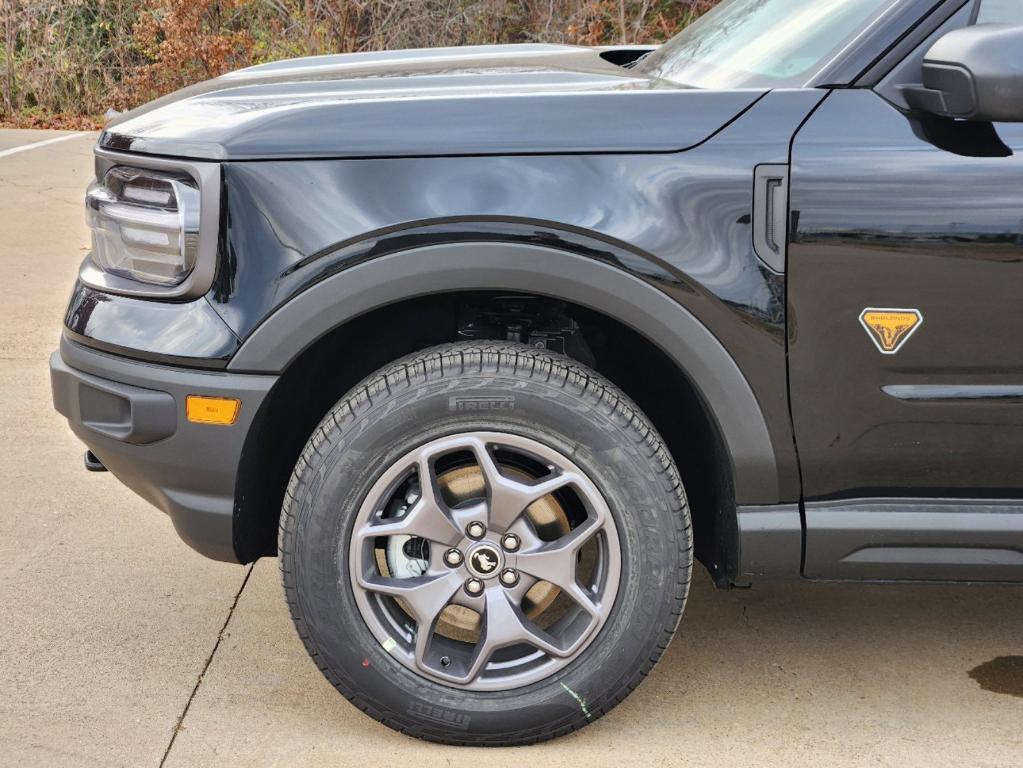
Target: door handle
{"x": 770, "y": 215}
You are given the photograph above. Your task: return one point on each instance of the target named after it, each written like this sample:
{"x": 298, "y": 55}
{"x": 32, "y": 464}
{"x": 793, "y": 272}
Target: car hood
{"x": 445, "y": 101}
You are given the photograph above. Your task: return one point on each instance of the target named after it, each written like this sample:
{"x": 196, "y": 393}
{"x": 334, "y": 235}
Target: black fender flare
{"x": 328, "y": 304}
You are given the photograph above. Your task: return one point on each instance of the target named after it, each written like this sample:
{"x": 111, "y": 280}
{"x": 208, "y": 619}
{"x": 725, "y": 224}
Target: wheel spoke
{"x": 425, "y": 596}
{"x": 507, "y": 498}
{"x": 505, "y": 624}
{"x": 428, "y": 518}
{"x": 425, "y": 519}
{"x": 555, "y": 562}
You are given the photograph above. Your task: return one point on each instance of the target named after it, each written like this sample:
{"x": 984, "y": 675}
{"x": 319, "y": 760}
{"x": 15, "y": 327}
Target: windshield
{"x": 761, "y": 43}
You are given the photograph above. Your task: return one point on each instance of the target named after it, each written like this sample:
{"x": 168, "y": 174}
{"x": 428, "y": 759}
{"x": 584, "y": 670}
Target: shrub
{"x": 67, "y": 61}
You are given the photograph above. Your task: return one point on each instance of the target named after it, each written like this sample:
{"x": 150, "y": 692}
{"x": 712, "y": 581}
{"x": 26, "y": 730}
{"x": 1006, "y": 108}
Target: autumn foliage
{"x": 65, "y": 62}
{"x": 182, "y": 42}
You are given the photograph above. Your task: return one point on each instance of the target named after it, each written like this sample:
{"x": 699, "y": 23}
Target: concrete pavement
{"x": 120, "y": 646}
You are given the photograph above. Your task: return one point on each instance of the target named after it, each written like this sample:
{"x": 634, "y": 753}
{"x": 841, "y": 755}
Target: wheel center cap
{"x": 484, "y": 560}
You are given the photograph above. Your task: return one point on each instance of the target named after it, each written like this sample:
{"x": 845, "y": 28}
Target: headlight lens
{"x": 145, "y": 225}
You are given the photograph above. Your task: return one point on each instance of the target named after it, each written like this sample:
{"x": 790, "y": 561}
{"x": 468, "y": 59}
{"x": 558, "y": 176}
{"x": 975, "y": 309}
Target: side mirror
{"x": 975, "y": 73}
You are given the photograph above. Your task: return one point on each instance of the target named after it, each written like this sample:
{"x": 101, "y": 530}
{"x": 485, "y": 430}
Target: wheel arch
{"x": 401, "y": 279}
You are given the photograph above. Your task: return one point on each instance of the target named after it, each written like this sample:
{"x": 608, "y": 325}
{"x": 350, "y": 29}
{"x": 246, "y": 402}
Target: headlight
{"x": 145, "y": 225}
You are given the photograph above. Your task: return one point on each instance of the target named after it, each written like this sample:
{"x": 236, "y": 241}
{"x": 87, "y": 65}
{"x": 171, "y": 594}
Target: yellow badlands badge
{"x": 890, "y": 328}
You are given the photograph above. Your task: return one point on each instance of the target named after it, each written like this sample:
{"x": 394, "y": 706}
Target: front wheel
{"x": 485, "y": 544}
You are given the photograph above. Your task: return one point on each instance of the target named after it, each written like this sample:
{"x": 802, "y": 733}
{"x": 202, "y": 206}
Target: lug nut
{"x": 510, "y": 542}
{"x": 509, "y": 577}
{"x": 473, "y": 586}
{"x": 453, "y": 558}
{"x": 476, "y": 530}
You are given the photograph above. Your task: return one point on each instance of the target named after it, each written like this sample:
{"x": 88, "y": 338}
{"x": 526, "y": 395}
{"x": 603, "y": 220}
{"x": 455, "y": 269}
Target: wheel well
{"x": 335, "y": 363}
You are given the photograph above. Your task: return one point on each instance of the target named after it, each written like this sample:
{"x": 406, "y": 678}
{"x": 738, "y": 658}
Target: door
{"x": 905, "y": 294}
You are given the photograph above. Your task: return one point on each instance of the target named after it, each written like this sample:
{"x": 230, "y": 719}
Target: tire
{"x": 523, "y": 406}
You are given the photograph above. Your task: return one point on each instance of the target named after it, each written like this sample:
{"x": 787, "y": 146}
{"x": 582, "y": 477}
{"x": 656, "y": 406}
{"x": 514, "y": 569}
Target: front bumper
{"x": 131, "y": 415}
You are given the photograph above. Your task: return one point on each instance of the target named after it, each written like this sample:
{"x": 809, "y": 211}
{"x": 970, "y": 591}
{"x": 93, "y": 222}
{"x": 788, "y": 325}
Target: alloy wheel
{"x": 479, "y": 590}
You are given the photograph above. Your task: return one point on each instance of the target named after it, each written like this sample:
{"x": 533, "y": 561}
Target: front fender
{"x": 548, "y": 271}
{"x": 677, "y": 223}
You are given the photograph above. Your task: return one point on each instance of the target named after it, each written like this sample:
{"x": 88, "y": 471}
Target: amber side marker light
{"x": 212, "y": 410}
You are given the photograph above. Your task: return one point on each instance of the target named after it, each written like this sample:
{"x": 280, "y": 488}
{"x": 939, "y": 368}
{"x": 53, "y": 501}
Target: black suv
{"x": 487, "y": 344}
